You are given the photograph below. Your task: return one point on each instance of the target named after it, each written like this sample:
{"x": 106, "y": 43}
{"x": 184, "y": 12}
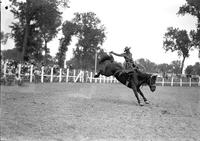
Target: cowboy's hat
{"x": 127, "y": 48}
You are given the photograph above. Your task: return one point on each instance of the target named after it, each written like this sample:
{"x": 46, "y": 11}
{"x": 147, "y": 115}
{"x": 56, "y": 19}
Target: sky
{"x": 140, "y": 24}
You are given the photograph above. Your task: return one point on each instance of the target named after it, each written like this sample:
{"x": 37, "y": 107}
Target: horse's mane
{"x": 105, "y": 58}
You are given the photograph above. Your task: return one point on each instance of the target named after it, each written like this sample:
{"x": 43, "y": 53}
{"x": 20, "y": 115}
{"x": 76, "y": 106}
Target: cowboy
{"x": 128, "y": 58}
{"x": 129, "y": 65}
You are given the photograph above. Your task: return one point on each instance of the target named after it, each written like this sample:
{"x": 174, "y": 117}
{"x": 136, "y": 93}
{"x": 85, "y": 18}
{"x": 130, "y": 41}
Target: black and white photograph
{"x": 100, "y": 70}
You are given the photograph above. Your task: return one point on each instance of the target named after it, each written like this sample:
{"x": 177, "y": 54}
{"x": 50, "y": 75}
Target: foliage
{"x": 192, "y": 7}
{"x": 13, "y": 54}
{"x": 69, "y": 29}
{"x": 34, "y": 42}
{"x": 177, "y": 40}
{"x": 74, "y": 62}
{"x": 189, "y": 70}
{"x": 193, "y": 69}
{"x": 35, "y": 21}
{"x": 164, "y": 68}
{"x": 48, "y": 19}
{"x": 90, "y": 33}
{"x": 146, "y": 65}
{"x": 176, "y": 67}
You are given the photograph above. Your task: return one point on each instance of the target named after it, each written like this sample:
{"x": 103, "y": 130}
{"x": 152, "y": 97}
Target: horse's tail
{"x": 105, "y": 58}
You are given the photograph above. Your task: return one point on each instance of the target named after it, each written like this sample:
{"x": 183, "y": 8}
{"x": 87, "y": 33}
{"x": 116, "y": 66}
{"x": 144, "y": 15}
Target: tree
{"x": 192, "y": 7}
{"x": 34, "y": 42}
{"x": 90, "y": 32}
{"x": 146, "y": 65}
{"x": 176, "y": 67}
{"x": 193, "y": 70}
{"x": 164, "y": 68}
{"x": 24, "y": 12}
{"x": 74, "y": 62}
{"x": 69, "y": 29}
{"x": 189, "y": 70}
{"x": 28, "y": 14}
{"x": 197, "y": 68}
{"x": 48, "y": 19}
{"x": 177, "y": 40}
{"x": 13, "y": 54}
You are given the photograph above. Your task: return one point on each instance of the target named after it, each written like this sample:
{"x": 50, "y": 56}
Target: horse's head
{"x": 152, "y": 82}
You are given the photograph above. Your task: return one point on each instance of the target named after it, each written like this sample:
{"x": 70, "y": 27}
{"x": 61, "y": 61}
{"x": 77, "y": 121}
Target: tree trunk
{"x": 182, "y": 65}
{"x": 25, "y": 40}
{"x": 45, "y": 51}
{"x": 26, "y": 32}
{"x": 198, "y": 31}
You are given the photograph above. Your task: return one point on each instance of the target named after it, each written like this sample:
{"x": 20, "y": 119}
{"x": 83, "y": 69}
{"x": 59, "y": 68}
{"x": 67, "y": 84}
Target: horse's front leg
{"x": 136, "y": 94}
{"x": 144, "y": 98}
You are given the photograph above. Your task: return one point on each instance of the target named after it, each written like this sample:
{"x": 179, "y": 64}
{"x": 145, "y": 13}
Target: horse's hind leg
{"x": 144, "y": 98}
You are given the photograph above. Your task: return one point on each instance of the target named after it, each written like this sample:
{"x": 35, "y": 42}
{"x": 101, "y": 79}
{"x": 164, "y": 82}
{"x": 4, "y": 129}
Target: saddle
{"x": 128, "y": 72}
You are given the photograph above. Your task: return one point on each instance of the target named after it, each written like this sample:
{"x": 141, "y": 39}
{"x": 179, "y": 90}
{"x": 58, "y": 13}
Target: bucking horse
{"x": 136, "y": 78}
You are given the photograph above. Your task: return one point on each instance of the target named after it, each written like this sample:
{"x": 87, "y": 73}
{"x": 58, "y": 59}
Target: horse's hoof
{"x": 147, "y": 102}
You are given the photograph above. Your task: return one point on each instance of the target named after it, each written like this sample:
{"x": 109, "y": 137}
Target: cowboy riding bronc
{"x": 129, "y": 63}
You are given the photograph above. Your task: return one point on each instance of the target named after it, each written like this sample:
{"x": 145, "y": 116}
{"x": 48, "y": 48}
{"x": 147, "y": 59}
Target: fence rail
{"x": 69, "y": 75}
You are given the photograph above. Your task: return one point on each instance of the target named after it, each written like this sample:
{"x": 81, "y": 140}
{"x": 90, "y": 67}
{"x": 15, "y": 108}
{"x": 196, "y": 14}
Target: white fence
{"x": 67, "y": 75}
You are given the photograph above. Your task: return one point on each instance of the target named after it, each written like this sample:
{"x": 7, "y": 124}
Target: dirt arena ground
{"x": 98, "y": 112}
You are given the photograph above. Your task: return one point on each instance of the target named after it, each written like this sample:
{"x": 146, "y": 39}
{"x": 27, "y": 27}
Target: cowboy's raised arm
{"x": 121, "y": 55}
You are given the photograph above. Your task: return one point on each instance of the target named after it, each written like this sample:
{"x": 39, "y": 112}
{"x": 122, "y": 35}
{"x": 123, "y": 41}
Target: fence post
{"x": 60, "y": 75}
{"x": 95, "y": 80}
{"x": 181, "y": 82}
{"x": 19, "y": 70}
{"x": 42, "y": 75}
{"x": 115, "y": 80}
{"x": 83, "y": 73}
{"x": 111, "y": 79}
{"x": 104, "y": 79}
{"x": 51, "y": 80}
{"x": 87, "y": 77}
{"x": 172, "y": 81}
{"x": 74, "y": 75}
{"x": 100, "y": 78}
{"x": 90, "y": 77}
{"x": 199, "y": 81}
{"x": 67, "y": 75}
{"x": 31, "y": 74}
{"x": 190, "y": 81}
{"x": 107, "y": 79}
{"x": 4, "y": 68}
{"x": 163, "y": 81}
